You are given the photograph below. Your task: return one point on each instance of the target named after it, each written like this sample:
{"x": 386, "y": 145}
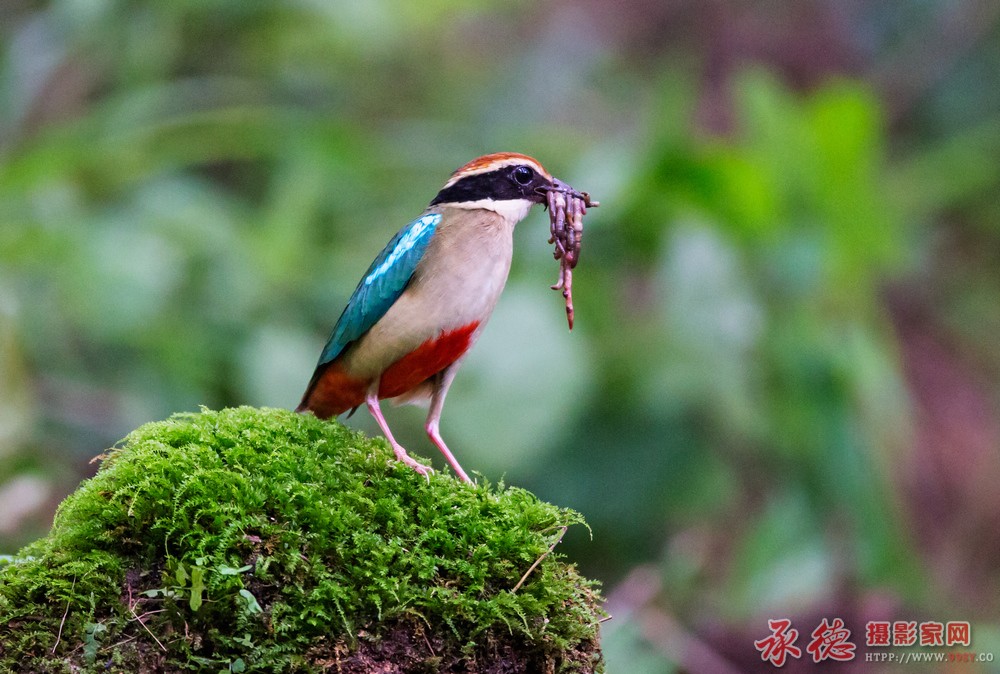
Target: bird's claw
{"x": 413, "y": 463}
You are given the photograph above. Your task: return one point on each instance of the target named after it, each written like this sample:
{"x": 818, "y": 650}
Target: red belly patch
{"x": 425, "y": 361}
{"x": 336, "y": 391}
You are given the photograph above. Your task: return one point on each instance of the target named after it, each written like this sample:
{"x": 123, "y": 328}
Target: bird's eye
{"x": 523, "y": 175}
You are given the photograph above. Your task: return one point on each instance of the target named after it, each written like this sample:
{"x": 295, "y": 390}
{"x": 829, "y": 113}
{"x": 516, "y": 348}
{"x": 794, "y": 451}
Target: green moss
{"x": 263, "y": 540}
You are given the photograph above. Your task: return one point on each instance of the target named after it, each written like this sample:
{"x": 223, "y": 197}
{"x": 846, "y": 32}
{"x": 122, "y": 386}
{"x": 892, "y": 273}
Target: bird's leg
{"x": 441, "y": 384}
{"x": 371, "y": 399}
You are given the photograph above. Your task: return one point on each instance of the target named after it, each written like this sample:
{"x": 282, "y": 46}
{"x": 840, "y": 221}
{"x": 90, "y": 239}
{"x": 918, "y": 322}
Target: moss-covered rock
{"x": 262, "y": 540}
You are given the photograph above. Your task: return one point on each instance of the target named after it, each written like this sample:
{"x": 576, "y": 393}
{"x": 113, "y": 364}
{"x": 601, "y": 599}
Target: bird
{"x": 425, "y": 299}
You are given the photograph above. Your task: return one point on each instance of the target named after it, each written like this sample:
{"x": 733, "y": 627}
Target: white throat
{"x": 511, "y": 210}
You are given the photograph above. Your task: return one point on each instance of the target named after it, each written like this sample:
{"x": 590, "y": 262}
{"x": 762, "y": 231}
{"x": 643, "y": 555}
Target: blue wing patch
{"x": 382, "y": 284}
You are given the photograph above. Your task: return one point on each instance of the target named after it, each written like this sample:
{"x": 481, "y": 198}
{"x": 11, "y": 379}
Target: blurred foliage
{"x": 782, "y": 390}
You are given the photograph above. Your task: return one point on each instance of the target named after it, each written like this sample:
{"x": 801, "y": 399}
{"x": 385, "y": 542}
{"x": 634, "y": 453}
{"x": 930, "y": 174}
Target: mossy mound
{"x": 263, "y": 540}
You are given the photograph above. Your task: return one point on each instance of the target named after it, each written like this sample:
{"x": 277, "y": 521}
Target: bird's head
{"x": 505, "y": 182}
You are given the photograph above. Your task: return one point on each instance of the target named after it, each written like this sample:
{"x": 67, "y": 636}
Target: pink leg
{"x": 434, "y": 418}
{"x": 376, "y": 411}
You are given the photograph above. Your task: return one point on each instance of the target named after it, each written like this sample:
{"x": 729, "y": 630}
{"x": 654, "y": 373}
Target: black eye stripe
{"x": 497, "y": 185}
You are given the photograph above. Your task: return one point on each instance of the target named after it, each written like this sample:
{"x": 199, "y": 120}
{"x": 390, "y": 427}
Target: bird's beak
{"x": 559, "y": 186}
{"x": 555, "y": 186}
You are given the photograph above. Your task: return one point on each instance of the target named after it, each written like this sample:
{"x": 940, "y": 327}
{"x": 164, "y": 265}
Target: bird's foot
{"x": 413, "y": 463}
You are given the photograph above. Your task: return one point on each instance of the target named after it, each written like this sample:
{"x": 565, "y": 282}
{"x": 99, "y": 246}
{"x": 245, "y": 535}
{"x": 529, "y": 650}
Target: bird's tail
{"x": 332, "y": 391}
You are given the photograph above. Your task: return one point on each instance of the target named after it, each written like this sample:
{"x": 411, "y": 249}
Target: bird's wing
{"x": 381, "y": 285}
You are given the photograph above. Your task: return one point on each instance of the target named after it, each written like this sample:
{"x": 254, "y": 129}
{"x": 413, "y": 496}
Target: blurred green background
{"x": 781, "y": 396}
